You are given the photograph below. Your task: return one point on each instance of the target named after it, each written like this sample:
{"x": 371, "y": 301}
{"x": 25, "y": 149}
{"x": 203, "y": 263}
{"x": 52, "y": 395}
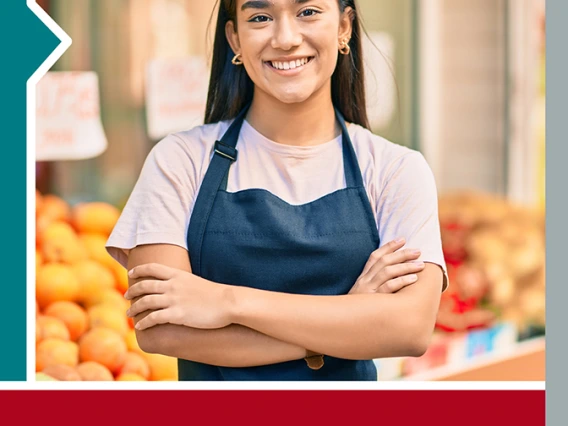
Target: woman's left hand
{"x": 177, "y": 297}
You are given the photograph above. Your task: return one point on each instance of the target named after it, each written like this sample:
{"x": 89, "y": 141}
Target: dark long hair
{"x": 230, "y": 87}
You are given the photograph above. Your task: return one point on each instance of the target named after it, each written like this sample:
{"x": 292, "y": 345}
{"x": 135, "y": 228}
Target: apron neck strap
{"x": 353, "y": 177}
{"x": 229, "y": 140}
{"x": 231, "y": 136}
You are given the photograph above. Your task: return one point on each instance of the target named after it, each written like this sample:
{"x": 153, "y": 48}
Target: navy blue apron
{"x": 253, "y": 238}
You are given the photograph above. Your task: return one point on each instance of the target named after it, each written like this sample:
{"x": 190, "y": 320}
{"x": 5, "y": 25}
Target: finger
{"x": 400, "y": 256}
{"x": 155, "y": 270}
{"x": 145, "y": 287}
{"x": 152, "y": 319}
{"x": 148, "y": 303}
{"x": 389, "y": 247}
{"x": 398, "y": 270}
{"x": 394, "y": 285}
{"x": 386, "y": 274}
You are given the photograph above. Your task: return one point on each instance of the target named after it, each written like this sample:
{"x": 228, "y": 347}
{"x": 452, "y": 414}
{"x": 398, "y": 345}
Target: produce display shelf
{"x": 525, "y": 361}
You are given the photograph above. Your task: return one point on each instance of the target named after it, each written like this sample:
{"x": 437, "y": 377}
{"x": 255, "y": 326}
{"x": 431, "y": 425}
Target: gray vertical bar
{"x": 556, "y": 210}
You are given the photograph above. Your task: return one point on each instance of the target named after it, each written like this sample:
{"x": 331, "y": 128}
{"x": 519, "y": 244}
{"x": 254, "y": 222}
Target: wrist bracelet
{"x": 314, "y": 360}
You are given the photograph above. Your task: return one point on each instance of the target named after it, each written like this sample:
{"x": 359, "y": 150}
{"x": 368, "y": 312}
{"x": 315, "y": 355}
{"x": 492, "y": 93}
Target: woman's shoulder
{"x": 379, "y": 150}
{"x": 193, "y": 139}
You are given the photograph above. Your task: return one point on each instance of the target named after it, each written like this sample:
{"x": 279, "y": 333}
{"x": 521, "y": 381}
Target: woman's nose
{"x": 286, "y": 35}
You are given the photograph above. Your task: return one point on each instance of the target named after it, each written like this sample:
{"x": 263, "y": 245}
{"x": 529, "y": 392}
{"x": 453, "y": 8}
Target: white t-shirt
{"x": 398, "y": 181}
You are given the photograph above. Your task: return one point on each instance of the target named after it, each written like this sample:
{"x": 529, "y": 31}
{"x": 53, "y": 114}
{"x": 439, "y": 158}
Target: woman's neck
{"x": 311, "y": 122}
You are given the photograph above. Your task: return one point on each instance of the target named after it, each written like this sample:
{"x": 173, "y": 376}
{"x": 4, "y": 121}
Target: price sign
{"x": 176, "y": 93}
{"x": 68, "y": 123}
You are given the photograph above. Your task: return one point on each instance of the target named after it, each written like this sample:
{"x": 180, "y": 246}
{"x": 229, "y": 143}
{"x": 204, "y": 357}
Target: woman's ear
{"x": 232, "y": 37}
{"x": 346, "y": 24}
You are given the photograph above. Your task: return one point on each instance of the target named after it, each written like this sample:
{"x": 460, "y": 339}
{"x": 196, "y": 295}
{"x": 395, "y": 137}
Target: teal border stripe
{"x": 26, "y": 43}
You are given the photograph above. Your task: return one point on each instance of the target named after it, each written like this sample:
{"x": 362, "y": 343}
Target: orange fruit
{"x": 65, "y": 251}
{"x": 55, "y": 282}
{"x": 92, "y": 371}
{"x": 130, "y": 377}
{"x": 135, "y": 363}
{"x": 95, "y": 244}
{"x": 38, "y": 200}
{"x": 108, "y": 316}
{"x": 39, "y": 259}
{"x": 93, "y": 277}
{"x": 132, "y": 342}
{"x": 62, "y": 372}
{"x": 74, "y": 317}
{"x": 161, "y": 367}
{"x": 60, "y": 243}
{"x": 37, "y": 308}
{"x": 56, "y": 351}
{"x": 42, "y": 222}
{"x": 58, "y": 229}
{"x": 104, "y": 346}
{"x": 51, "y": 327}
{"x": 95, "y": 217}
{"x": 108, "y": 296}
{"x": 55, "y": 208}
{"x": 38, "y": 334}
{"x": 121, "y": 276}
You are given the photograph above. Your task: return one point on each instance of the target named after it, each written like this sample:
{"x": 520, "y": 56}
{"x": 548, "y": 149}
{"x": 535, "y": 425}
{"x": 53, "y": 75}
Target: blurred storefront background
{"x": 462, "y": 81}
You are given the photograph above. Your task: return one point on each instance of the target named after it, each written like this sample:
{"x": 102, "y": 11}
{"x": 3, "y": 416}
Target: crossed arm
{"x": 269, "y": 327}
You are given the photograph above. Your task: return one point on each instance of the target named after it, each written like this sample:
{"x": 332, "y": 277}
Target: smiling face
{"x": 289, "y": 48}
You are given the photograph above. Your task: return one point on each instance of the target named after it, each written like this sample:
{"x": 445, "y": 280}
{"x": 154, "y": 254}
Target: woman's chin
{"x": 291, "y": 97}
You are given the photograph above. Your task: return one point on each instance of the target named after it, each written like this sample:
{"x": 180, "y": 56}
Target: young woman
{"x": 268, "y": 243}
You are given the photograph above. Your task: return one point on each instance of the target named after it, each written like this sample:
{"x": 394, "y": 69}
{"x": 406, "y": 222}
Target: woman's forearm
{"x": 356, "y": 326}
{"x": 232, "y": 346}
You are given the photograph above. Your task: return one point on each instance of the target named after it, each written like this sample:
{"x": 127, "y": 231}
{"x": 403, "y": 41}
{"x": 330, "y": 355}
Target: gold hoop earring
{"x": 344, "y": 47}
{"x": 236, "y": 60}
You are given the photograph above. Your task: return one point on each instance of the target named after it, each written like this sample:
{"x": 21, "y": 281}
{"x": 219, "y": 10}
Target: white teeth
{"x": 290, "y": 65}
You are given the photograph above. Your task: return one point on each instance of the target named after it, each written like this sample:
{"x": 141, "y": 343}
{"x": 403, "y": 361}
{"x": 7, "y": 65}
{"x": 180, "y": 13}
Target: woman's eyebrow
{"x": 264, "y": 4}
{"x": 255, "y": 4}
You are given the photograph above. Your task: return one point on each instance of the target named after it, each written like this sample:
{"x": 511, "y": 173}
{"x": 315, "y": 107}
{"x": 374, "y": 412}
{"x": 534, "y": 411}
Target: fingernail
{"x": 400, "y": 240}
{"x": 413, "y": 277}
{"x": 130, "y": 272}
{"x": 415, "y": 251}
{"x": 137, "y": 326}
{"x": 419, "y": 263}
{"x": 128, "y": 312}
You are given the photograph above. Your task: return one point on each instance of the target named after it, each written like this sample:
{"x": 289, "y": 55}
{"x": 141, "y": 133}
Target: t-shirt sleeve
{"x": 408, "y": 207}
{"x": 158, "y": 209}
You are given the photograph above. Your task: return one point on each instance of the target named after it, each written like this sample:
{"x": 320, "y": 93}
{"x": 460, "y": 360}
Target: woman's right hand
{"x": 388, "y": 270}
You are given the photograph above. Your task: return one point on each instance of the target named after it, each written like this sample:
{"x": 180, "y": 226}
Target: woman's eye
{"x": 260, "y": 18}
{"x": 309, "y": 12}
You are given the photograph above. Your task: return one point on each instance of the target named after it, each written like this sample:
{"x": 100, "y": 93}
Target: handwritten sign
{"x": 176, "y": 94}
{"x": 68, "y": 124}
{"x": 379, "y": 80}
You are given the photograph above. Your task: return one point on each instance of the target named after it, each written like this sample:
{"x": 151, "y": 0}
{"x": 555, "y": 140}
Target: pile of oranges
{"x": 82, "y": 331}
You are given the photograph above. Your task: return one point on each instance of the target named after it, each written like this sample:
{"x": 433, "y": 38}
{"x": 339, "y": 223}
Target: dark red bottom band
{"x": 270, "y": 407}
